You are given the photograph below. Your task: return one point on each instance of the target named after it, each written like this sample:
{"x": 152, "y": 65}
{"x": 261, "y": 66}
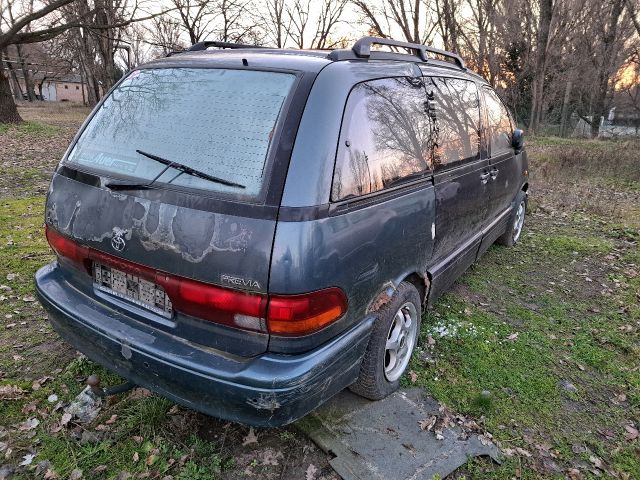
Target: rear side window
{"x": 498, "y": 123}
{"x": 457, "y": 120}
{"x": 384, "y": 137}
{"x": 217, "y": 121}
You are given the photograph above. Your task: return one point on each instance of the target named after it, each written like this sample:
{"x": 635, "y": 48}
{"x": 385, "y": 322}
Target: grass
{"x": 29, "y": 128}
{"x": 538, "y": 343}
{"x": 609, "y": 163}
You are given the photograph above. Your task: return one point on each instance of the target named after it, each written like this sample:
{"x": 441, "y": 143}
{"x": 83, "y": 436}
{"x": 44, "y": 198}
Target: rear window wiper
{"x": 169, "y": 164}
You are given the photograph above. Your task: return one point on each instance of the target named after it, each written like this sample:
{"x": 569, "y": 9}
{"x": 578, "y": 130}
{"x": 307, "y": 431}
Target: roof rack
{"x": 362, "y": 49}
{"x": 196, "y": 47}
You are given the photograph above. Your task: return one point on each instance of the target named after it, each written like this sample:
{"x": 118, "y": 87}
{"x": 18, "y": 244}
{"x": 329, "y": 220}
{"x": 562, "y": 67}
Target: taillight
{"x": 219, "y": 305}
{"x": 66, "y": 248}
{"x": 285, "y": 315}
{"x": 295, "y": 315}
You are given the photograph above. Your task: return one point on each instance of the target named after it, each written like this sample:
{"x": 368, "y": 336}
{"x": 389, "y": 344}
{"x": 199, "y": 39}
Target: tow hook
{"x": 94, "y": 383}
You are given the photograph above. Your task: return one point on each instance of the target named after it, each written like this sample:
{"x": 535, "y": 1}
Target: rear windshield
{"x": 219, "y": 122}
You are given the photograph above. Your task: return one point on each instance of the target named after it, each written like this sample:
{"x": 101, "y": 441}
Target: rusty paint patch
{"x": 382, "y": 298}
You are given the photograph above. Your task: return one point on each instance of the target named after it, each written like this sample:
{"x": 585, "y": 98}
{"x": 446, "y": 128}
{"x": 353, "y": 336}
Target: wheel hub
{"x": 400, "y": 341}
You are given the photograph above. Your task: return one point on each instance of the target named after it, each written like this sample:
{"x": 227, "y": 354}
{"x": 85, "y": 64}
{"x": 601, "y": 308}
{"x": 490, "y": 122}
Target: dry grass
{"x": 601, "y": 177}
{"x": 62, "y": 114}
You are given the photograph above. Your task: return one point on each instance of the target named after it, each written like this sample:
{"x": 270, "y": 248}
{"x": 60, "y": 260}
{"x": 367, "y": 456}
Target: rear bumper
{"x": 267, "y": 390}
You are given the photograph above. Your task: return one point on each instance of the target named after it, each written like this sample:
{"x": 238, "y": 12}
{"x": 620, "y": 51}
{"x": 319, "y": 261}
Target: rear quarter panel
{"x": 365, "y": 249}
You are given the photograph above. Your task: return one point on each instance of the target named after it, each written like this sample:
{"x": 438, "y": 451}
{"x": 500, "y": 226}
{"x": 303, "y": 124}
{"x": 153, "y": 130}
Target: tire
{"x": 379, "y": 374}
{"x": 516, "y": 222}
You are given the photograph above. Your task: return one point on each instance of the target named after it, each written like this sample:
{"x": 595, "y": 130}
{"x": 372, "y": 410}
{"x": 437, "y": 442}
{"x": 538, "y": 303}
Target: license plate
{"x": 132, "y": 288}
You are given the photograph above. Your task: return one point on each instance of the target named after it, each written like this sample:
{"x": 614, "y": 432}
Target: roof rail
{"x": 196, "y": 47}
{"x": 362, "y": 49}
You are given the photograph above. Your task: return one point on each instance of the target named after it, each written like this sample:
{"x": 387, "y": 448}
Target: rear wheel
{"x": 512, "y": 235}
{"x": 391, "y": 344}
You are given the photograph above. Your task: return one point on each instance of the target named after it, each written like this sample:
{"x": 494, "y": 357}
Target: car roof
{"x": 310, "y": 61}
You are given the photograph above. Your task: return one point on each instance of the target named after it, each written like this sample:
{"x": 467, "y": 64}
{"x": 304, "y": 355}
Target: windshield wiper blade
{"x": 169, "y": 164}
{"x": 188, "y": 170}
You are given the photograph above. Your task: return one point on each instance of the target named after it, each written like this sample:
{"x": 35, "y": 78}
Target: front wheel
{"x": 512, "y": 235}
{"x": 393, "y": 338}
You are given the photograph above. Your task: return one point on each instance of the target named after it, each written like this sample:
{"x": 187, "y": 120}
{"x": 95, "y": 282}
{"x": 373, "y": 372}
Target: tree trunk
{"x": 8, "y": 110}
{"x": 564, "y": 116}
{"x": 17, "y": 88}
{"x": 546, "y": 14}
{"x": 26, "y": 74}
{"x": 607, "y": 65}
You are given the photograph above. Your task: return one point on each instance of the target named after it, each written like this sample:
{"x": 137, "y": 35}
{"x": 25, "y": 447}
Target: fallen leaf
{"x": 76, "y": 474}
{"x": 513, "y": 337}
{"x": 50, "y": 475}
{"x": 508, "y": 452}
{"x": 250, "y": 438}
{"x": 597, "y": 462}
{"x": 151, "y": 459}
{"x": 136, "y": 457}
{"x": 137, "y": 438}
{"x": 112, "y": 420}
{"x": 66, "y": 417}
{"x": 29, "y": 424}
{"x": 100, "y": 468}
{"x": 414, "y": 376}
{"x": 523, "y": 452}
{"x": 10, "y": 392}
{"x": 574, "y": 474}
{"x": 271, "y": 457}
{"x": 632, "y": 433}
{"x": 428, "y": 423}
{"x": 27, "y": 459}
{"x": 310, "y": 474}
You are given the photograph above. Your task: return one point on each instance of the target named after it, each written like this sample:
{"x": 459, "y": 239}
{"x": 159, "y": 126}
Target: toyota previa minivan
{"x": 248, "y": 231}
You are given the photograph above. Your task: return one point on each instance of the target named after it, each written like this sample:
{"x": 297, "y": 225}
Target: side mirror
{"x": 517, "y": 140}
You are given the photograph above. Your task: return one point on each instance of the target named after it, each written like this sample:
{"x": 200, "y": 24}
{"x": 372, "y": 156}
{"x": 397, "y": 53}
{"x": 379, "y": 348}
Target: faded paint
{"x": 164, "y": 236}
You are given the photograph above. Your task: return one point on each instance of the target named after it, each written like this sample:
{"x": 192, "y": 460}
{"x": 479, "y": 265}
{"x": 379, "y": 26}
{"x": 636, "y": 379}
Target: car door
{"x": 504, "y": 169}
{"x": 461, "y": 177}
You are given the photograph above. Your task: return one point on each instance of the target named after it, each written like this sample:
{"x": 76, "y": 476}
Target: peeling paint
{"x": 171, "y": 237}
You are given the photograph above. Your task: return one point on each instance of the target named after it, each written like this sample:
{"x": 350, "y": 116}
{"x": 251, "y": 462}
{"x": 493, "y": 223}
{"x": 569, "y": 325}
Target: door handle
{"x": 494, "y": 173}
{"x": 484, "y": 177}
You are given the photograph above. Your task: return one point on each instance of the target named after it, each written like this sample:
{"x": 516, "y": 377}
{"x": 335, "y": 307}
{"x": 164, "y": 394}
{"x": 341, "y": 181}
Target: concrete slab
{"x": 383, "y": 440}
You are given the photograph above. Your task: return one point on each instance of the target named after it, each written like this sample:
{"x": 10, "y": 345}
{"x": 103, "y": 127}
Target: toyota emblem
{"x": 117, "y": 242}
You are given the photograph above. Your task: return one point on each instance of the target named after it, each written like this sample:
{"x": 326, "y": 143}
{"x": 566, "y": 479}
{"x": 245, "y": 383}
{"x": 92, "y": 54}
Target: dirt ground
{"x": 537, "y": 345}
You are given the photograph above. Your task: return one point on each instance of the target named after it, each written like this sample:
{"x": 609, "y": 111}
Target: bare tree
{"x": 164, "y": 35}
{"x": 544, "y": 25}
{"x": 275, "y": 22}
{"x": 195, "y": 17}
{"x": 414, "y": 20}
{"x": 51, "y": 22}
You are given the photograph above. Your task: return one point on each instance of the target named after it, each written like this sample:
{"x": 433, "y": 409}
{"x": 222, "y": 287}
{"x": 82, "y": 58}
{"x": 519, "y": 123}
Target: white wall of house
{"x": 49, "y": 91}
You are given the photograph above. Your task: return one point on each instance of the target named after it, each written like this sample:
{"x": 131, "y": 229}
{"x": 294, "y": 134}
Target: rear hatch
{"x": 163, "y": 197}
